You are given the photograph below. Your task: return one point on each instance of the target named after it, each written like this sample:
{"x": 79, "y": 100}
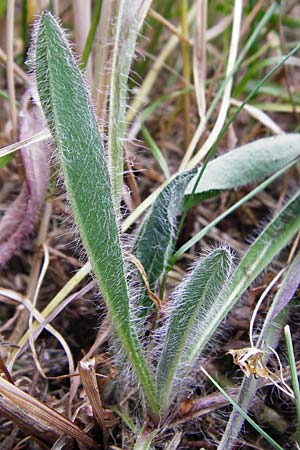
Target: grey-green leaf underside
{"x": 246, "y": 164}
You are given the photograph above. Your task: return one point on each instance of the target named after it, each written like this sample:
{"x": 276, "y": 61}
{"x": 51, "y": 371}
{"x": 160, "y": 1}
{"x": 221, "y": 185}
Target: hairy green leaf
{"x": 73, "y": 125}
{"x": 246, "y": 164}
{"x": 198, "y": 236}
{"x": 195, "y": 300}
{"x": 154, "y": 241}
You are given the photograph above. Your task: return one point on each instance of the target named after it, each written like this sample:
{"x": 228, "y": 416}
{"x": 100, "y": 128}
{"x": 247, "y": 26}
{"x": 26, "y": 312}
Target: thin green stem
{"x": 294, "y": 377}
{"x": 156, "y": 152}
{"x": 242, "y": 412}
{"x": 186, "y": 69}
{"x": 201, "y": 127}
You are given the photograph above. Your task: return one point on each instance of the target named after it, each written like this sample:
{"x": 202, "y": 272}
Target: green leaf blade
{"x": 195, "y": 295}
{"x": 269, "y": 336}
{"x": 73, "y": 125}
{"x": 153, "y": 244}
{"x": 247, "y": 164}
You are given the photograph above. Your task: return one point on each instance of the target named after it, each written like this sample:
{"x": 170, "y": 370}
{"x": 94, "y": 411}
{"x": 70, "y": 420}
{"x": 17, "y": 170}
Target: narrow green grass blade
{"x": 242, "y": 412}
{"x": 248, "y": 164}
{"x": 149, "y": 110}
{"x": 2, "y": 7}
{"x": 294, "y": 377}
{"x": 73, "y": 125}
{"x": 154, "y": 241}
{"x": 193, "y": 301}
{"x": 157, "y": 154}
{"x": 273, "y": 90}
{"x": 269, "y": 243}
{"x": 92, "y": 31}
{"x": 3, "y": 94}
{"x": 5, "y": 160}
{"x": 157, "y": 27}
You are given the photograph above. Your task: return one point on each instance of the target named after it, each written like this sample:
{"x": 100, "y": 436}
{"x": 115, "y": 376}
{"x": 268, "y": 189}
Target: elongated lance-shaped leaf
{"x": 154, "y": 240}
{"x": 246, "y": 164}
{"x": 192, "y": 299}
{"x": 73, "y": 125}
{"x": 129, "y": 17}
{"x": 274, "y": 238}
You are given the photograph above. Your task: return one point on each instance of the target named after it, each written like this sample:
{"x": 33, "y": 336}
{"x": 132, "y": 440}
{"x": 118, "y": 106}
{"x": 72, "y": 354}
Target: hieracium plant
{"x": 161, "y": 340}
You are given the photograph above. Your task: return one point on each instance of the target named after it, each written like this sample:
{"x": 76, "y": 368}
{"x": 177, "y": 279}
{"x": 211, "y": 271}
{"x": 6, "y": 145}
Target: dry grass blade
{"x": 23, "y": 143}
{"x": 102, "y": 54}
{"x": 259, "y": 115}
{"x": 143, "y": 274}
{"x": 55, "y": 7}
{"x": 186, "y": 69}
{"x": 103, "y": 335}
{"x": 34, "y": 301}
{"x": 37, "y": 419}
{"x": 155, "y": 15}
{"x": 53, "y": 308}
{"x": 82, "y": 18}
{"x": 22, "y": 323}
{"x": 17, "y": 70}
{"x": 199, "y": 58}
{"x": 233, "y": 52}
{"x": 89, "y": 381}
{"x": 4, "y": 370}
{"x": 151, "y": 77}
{"x": 28, "y": 305}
